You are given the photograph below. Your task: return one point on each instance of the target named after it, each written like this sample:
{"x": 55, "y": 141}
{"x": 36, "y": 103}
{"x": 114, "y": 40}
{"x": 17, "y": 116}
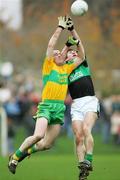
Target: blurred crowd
{"x": 110, "y": 114}
{"x": 19, "y": 98}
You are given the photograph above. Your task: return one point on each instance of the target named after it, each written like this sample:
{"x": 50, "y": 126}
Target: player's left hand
{"x": 70, "y": 24}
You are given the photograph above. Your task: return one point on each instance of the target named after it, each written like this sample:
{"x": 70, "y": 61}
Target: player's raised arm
{"x": 72, "y": 54}
{"x": 64, "y": 52}
{"x": 80, "y": 48}
{"x": 53, "y": 40}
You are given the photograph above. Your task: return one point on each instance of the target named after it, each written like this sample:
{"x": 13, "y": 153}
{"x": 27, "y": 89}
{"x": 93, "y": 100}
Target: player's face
{"x": 71, "y": 54}
{"x": 56, "y": 53}
{"x": 58, "y": 57}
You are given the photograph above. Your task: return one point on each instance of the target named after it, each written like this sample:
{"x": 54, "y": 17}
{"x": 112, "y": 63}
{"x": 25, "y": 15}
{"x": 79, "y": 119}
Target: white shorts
{"x": 81, "y": 106}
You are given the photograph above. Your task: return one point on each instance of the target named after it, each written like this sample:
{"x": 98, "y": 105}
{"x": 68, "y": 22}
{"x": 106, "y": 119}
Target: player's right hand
{"x": 62, "y": 22}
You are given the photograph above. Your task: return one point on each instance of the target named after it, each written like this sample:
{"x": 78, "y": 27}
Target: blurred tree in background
{"x": 99, "y": 30}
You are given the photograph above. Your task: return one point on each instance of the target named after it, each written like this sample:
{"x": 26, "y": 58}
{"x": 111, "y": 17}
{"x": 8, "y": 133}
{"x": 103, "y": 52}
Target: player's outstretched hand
{"x": 62, "y": 22}
{"x": 70, "y": 24}
{"x": 72, "y": 41}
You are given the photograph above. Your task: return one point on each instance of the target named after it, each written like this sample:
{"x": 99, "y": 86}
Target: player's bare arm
{"x": 80, "y": 47}
{"x": 53, "y": 41}
{"x": 64, "y": 52}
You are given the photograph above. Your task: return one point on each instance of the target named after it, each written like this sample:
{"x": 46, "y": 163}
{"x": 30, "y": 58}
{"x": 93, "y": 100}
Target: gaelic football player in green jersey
{"x": 50, "y": 113}
{"x": 85, "y": 106}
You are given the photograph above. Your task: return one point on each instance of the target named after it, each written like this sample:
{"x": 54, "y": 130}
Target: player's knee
{"x": 47, "y": 146}
{"x": 79, "y": 138}
{"x": 44, "y": 145}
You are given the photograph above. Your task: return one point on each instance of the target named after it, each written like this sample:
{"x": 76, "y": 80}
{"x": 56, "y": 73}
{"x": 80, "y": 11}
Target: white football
{"x": 79, "y": 7}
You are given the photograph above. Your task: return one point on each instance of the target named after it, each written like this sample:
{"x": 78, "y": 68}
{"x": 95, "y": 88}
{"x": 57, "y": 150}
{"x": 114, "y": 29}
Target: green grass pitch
{"x": 60, "y": 163}
{"x": 58, "y": 167}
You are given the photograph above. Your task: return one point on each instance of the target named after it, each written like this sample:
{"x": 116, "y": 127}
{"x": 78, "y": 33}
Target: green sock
{"x": 89, "y": 157}
{"x": 32, "y": 149}
{"x": 18, "y": 154}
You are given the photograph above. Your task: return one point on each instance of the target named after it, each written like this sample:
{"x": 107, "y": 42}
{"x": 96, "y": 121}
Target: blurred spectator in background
{"x": 105, "y": 123}
{"x": 13, "y": 112}
{"x": 5, "y": 96}
{"x": 25, "y": 105}
{"x": 19, "y": 100}
{"x": 5, "y": 93}
{"x": 115, "y": 119}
